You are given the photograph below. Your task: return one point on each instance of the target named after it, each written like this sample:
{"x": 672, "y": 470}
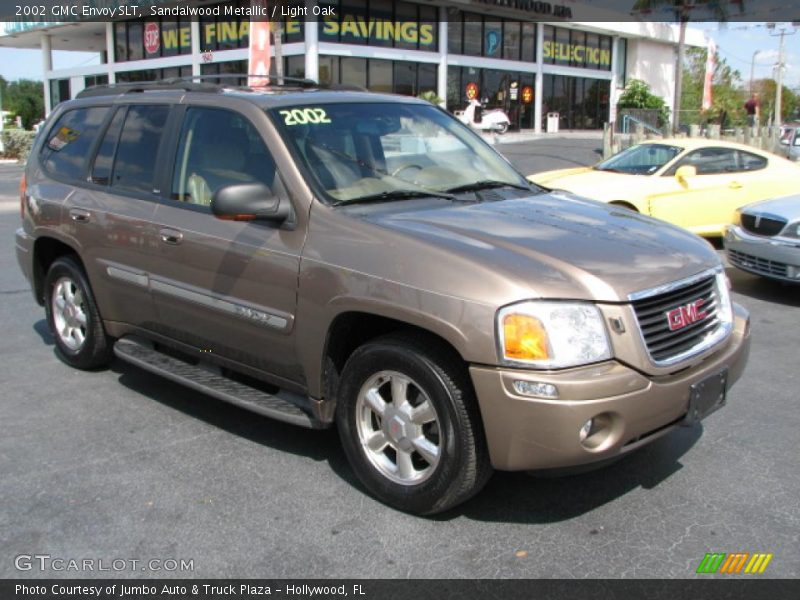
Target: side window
{"x": 66, "y": 149}
{"x": 104, "y": 161}
{"x": 709, "y": 161}
{"x": 135, "y": 164}
{"x": 218, "y": 148}
{"x": 752, "y": 162}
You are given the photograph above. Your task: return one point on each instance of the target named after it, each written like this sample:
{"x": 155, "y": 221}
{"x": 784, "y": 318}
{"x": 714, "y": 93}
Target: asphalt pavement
{"x": 119, "y": 464}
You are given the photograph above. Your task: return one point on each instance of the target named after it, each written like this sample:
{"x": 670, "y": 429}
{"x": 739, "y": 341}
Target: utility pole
{"x": 782, "y": 32}
{"x": 676, "y": 103}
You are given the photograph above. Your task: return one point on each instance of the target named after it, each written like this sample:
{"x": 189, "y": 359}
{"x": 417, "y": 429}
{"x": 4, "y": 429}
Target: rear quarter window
{"x": 751, "y": 162}
{"x": 66, "y": 148}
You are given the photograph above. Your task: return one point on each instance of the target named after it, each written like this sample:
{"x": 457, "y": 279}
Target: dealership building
{"x": 529, "y": 58}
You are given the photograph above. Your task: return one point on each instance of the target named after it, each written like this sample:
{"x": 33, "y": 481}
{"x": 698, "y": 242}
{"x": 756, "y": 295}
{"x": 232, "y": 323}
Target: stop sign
{"x": 152, "y": 38}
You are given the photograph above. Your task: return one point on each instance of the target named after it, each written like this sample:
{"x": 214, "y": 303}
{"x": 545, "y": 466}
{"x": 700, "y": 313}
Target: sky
{"x": 736, "y": 43}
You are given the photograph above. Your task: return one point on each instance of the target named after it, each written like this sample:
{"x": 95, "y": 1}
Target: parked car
{"x": 305, "y": 254}
{"x": 764, "y": 239}
{"x": 789, "y": 142}
{"x": 693, "y": 183}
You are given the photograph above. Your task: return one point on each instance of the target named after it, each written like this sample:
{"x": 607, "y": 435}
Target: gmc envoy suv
{"x": 340, "y": 257}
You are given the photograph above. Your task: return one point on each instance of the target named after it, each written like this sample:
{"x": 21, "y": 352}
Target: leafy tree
{"x": 24, "y": 98}
{"x": 790, "y": 101}
{"x": 637, "y": 94}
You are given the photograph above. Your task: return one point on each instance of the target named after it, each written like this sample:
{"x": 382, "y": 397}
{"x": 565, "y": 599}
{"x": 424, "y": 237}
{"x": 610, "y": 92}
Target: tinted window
{"x": 135, "y": 164}
{"x": 104, "y": 161}
{"x": 67, "y": 147}
{"x": 751, "y": 162}
{"x": 709, "y": 161}
{"x": 218, "y": 148}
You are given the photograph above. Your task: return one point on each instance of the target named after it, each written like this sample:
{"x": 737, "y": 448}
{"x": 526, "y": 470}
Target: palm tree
{"x": 682, "y": 10}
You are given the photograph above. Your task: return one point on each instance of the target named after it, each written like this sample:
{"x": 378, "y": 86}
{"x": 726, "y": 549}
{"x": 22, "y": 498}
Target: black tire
{"x": 86, "y": 346}
{"x": 434, "y": 373}
{"x": 502, "y": 128}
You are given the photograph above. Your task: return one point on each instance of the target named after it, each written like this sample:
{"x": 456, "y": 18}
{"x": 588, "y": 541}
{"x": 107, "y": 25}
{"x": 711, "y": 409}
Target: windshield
{"x": 644, "y": 159}
{"x": 361, "y": 152}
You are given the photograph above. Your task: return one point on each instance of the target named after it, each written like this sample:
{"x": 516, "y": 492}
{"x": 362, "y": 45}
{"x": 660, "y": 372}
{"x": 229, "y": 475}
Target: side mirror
{"x": 685, "y": 172}
{"x": 797, "y": 139}
{"x": 249, "y": 202}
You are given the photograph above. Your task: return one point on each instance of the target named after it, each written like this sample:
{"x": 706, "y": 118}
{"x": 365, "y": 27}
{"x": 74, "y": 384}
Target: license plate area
{"x": 706, "y": 396}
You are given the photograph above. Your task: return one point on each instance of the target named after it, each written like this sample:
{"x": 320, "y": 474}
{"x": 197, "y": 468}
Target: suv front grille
{"x": 762, "y": 225}
{"x": 677, "y": 322}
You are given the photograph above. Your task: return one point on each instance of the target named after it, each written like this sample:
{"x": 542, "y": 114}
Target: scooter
{"x": 476, "y": 116}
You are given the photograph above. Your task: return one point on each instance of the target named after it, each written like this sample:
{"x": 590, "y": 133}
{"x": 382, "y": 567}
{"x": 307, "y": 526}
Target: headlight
{"x": 725, "y": 310}
{"x": 737, "y": 217}
{"x": 552, "y": 335}
{"x": 793, "y": 230}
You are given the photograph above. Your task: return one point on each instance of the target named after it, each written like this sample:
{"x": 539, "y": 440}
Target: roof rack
{"x": 189, "y": 83}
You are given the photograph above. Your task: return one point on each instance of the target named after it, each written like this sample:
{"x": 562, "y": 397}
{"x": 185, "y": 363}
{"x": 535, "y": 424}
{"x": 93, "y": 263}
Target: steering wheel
{"x": 404, "y": 167}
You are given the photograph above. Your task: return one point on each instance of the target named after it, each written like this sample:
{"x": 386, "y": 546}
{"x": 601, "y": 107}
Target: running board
{"x": 282, "y": 406}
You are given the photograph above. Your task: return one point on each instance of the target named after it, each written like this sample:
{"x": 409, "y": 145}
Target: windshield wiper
{"x": 486, "y": 184}
{"x": 390, "y": 195}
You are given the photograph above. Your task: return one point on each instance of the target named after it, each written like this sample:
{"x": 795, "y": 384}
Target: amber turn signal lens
{"x": 524, "y": 338}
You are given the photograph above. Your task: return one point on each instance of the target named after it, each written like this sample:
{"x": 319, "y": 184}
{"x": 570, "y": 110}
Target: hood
{"x": 787, "y": 207}
{"x": 589, "y": 182}
{"x": 549, "y": 245}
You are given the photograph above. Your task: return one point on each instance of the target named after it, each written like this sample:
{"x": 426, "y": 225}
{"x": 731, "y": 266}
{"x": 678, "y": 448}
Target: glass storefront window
{"x": 511, "y": 39}
{"x": 473, "y": 24}
{"x": 135, "y": 40}
{"x": 577, "y": 49}
{"x": 380, "y": 75}
{"x": 455, "y": 31}
{"x": 492, "y": 39}
{"x": 581, "y": 102}
{"x": 529, "y": 42}
{"x": 354, "y": 71}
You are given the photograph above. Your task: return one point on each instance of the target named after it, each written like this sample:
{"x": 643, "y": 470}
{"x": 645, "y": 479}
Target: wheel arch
{"x": 45, "y": 252}
{"x": 624, "y": 204}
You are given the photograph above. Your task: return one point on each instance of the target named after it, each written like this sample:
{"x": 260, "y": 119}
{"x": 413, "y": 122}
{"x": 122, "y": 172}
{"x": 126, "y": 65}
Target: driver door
{"x": 705, "y": 202}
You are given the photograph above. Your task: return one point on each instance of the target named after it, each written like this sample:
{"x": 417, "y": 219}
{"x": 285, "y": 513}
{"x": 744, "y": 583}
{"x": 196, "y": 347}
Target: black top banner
{"x": 65, "y": 11}
{"x": 414, "y": 589}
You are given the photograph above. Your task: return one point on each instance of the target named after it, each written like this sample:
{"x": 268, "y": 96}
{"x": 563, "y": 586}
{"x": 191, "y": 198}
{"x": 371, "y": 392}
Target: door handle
{"x": 734, "y": 185}
{"x": 79, "y": 215}
{"x": 171, "y": 236}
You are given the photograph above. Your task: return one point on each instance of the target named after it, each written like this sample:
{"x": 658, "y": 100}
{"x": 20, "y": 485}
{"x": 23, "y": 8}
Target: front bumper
{"x": 526, "y": 433}
{"x": 776, "y": 258}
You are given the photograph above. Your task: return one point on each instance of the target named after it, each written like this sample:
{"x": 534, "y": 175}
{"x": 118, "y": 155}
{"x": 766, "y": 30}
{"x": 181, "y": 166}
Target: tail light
{"x": 23, "y": 188}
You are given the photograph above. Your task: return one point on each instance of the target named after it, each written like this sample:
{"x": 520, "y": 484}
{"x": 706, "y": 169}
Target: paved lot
{"x": 119, "y": 464}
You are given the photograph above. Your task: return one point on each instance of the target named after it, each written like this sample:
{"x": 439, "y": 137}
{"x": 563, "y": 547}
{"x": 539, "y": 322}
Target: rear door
{"x": 225, "y": 287}
{"x": 111, "y": 204}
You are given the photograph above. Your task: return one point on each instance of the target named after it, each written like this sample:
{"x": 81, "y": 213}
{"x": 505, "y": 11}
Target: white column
{"x": 612, "y": 92}
{"x": 76, "y": 85}
{"x": 441, "y": 78}
{"x": 110, "y": 53}
{"x": 195, "y": 29}
{"x": 312, "y": 49}
{"x": 47, "y": 66}
{"x": 539, "y": 89}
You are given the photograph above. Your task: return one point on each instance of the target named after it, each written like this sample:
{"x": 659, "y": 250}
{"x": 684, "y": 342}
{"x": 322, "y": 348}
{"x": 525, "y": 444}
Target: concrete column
{"x": 539, "y": 90}
{"x": 112, "y": 58}
{"x": 47, "y": 66}
{"x": 76, "y": 85}
{"x": 312, "y": 49}
{"x": 612, "y": 92}
{"x": 195, "y": 29}
{"x": 441, "y": 78}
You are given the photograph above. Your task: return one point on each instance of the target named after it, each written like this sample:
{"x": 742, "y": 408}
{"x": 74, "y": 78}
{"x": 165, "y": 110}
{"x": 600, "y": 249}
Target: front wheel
{"x": 410, "y": 425}
{"x": 73, "y": 317}
{"x": 501, "y": 128}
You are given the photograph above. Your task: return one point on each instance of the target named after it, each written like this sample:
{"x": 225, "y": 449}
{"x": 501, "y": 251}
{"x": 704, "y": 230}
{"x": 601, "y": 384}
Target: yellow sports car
{"x": 697, "y": 184}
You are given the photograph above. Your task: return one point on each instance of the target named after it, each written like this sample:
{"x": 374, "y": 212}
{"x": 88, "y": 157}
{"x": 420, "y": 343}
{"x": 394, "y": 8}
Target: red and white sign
{"x": 258, "y": 63}
{"x": 685, "y": 315}
{"x": 152, "y": 38}
{"x": 711, "y": 65}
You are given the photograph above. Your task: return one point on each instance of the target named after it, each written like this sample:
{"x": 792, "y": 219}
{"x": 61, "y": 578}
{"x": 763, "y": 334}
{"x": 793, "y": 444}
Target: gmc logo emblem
{"x": 685, "y": 315}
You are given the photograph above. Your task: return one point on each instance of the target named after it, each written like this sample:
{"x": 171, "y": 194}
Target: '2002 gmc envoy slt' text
{"x": 340, "y": 257}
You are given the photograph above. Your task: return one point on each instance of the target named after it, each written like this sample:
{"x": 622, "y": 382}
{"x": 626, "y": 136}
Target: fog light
{"x": 586, "y": 430}
{"x": 537, "y": 389}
